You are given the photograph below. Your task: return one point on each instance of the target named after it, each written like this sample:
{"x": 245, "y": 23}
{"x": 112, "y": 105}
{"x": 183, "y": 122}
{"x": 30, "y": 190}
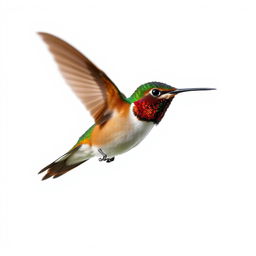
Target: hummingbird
{"x": 121, "y": 122}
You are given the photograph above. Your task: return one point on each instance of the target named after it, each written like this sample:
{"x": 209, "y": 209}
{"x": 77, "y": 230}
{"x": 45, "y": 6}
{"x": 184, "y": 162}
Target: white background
{"x": 189, "y": 188}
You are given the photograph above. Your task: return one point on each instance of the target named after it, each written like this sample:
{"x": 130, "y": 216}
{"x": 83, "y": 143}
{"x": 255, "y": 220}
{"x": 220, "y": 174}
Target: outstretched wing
{"x": 96, "y": 91}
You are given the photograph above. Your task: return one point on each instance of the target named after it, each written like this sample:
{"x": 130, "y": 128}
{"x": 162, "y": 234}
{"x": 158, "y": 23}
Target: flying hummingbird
{"x": 121, "y": 123}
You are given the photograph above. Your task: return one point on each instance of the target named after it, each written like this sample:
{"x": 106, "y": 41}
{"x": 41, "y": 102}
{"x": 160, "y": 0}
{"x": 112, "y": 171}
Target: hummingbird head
{"x": 151, "y": 100}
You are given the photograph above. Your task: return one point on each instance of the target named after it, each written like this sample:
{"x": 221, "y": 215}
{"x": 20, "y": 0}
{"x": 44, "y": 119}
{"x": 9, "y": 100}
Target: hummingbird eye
{"x": 156, "y": 93}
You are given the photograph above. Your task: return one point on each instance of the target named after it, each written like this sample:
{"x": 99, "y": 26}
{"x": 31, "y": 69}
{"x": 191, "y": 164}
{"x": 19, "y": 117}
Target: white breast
{"x": 126, "y": 140}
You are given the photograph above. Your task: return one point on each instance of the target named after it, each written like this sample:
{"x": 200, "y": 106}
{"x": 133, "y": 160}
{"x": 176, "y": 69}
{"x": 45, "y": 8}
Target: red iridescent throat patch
{"x": 151, "y": 110}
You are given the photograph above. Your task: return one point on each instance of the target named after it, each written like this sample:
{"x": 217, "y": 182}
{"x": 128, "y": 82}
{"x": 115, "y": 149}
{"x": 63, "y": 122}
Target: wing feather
{"x": 96, "y": 91}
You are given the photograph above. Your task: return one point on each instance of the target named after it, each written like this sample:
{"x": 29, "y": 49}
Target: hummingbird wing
{"x": 96, "y": 91}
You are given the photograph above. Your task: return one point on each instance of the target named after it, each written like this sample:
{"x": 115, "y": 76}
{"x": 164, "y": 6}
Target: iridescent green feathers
{"x": 86, "y": 135}
{"x": 140, "y": 91}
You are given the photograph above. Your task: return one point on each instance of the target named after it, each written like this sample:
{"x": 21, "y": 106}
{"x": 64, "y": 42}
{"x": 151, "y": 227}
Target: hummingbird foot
{"x": 105, "y": 157}
{"x": 109, "y": 160}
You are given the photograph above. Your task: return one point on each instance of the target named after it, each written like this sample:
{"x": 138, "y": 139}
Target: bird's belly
{"x": 124, "y": 140}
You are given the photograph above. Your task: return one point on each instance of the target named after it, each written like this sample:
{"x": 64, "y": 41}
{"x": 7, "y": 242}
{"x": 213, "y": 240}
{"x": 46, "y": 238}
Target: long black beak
{"x": 176, "y": 91}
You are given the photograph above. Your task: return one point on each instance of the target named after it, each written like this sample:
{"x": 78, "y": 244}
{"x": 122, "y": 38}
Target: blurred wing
{"x": 96, "y": 91}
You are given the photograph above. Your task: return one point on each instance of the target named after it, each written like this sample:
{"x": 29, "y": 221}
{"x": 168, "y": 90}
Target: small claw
{"x": 102, "y": 159}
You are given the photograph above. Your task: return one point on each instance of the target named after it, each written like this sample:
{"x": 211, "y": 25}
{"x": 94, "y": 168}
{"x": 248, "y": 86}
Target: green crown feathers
{"x": 140, "y": 91}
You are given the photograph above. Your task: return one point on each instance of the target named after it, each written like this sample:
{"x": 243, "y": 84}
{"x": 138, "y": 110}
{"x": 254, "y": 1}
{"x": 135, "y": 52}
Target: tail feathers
{"x": 63, "y": 164}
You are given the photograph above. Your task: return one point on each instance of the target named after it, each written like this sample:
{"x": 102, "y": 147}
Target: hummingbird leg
{"x": 105, "y": 157}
